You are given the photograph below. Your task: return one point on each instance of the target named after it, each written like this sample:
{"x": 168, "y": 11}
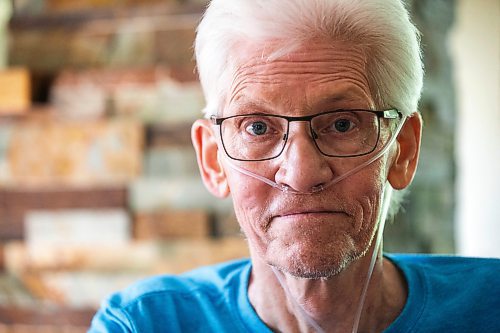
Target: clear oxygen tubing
{"x": 319, "y": 188}
{"x": 357, "y": 317}
{"x": 380, "y": 232}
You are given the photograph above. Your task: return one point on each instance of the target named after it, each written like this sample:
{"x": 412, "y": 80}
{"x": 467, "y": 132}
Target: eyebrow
{"x": 340, "y": 97}
{"x": 247, "y": 107}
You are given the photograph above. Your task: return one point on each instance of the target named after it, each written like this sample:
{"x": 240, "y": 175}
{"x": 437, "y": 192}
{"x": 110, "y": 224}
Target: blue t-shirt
{"x": 445, "y": 294}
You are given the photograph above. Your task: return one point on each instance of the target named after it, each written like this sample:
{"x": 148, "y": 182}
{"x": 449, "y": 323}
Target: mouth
{"x": 308, "y": 213}
{"x": 306, "y": 210}
{"x": 308, "y": 219}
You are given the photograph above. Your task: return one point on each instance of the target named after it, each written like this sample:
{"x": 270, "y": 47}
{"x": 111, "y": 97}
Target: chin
{"x": 313, "y": 265}
{"x": 313, "y": 273}
{"x": 309, "y": 271}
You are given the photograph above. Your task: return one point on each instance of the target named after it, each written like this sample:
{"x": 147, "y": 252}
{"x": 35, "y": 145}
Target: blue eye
{"x": 257, "y": 128}
{"x": 342, "y": 125}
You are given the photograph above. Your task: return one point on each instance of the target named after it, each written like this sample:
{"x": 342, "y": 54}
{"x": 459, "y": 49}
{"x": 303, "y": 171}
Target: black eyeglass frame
{"x": 392, "y": 113}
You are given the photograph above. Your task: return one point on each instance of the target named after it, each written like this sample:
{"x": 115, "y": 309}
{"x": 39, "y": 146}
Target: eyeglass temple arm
{"x": 391, "y": 114}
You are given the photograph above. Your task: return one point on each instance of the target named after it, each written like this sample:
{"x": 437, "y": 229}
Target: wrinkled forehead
{"x": 246, "y": 53}
{"x": 319, "y": 58}
{"x": 329, "y": 68}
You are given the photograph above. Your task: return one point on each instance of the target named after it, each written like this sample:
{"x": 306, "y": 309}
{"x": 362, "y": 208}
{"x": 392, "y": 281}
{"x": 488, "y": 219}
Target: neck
{"x": 331, "y": 303}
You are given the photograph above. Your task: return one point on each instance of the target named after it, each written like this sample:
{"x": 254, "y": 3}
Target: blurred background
{"x": 98, "y": 180}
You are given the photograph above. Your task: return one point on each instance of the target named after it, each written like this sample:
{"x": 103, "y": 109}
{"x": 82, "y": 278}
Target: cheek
{"x": 367, "y": 187}
{"x": 251, "y": 201}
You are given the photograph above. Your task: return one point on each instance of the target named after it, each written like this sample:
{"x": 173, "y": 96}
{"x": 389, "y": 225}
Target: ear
{"x": 211, "y": 170}
{"x": 404, "y": 164}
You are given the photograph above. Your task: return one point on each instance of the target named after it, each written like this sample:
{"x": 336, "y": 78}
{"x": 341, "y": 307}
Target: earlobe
{"x": 404, "y": 164}
{"x": 211, "y": 170}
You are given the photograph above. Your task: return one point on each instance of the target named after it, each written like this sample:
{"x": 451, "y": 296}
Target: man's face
{"x": 313, "y": 235}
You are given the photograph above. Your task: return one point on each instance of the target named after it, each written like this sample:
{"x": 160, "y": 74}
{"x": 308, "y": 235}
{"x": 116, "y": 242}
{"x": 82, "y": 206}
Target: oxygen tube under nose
{"x": 320, "y": 188}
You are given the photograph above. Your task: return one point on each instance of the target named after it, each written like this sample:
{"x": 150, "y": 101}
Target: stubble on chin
{"x": 321, "y": 268}
{"x": 319, "y": 263}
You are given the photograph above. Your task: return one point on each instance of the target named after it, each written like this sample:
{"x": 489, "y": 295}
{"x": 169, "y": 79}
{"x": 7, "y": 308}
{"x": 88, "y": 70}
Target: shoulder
{"x": 199, "y": 298}
{"x": 451, "y": 293}
{"x": 459, "y": 276}
{"x": 447, "y": 264}
{"x": 208, "y": 279}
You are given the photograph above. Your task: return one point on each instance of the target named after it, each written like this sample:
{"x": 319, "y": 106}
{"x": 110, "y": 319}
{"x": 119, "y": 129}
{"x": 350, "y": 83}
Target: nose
{"x": 302, "y": 166}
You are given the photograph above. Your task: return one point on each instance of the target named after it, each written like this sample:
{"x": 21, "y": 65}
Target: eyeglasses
{"x": 339, "y": 133}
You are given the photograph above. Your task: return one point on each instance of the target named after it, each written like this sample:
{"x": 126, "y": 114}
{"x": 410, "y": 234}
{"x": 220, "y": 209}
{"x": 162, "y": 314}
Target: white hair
{"x": 382, "y": 28}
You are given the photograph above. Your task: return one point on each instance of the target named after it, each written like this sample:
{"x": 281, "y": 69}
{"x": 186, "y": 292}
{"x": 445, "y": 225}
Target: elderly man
{"x": 311, "y": 123}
